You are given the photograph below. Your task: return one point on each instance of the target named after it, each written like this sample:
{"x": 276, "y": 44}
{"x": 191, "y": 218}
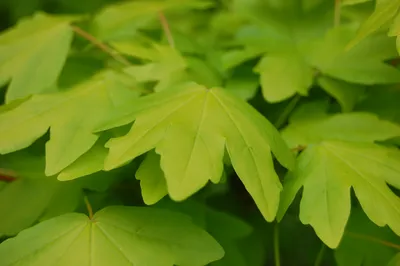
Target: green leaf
{"x": 365, "y": 244}
{"x": 395, "y": 261}
{"x": 357, "y": 65}
{"x": 339, "y": 155}
{"x": 70, "y": 115}
{"x": 345, "y": 93}
{"x": 152, "y": 180}
{"x": 226, "y": 228}
{"x": 32, "y": 195}
{"x": 122, "y": 20}
{"x": 192, "y": 125}
{"x": 385, "y": 11}
{"x": 356, "y": 127}
{"x": 243, "y": 84}
{"x": 113, "y": 237}
{"x": 166, "y": 61}
{"x": 284, "y": 75}
{"x": 328, "y": 170}
{"x": 32, "y": 54}
{"x": 90, "y": 162}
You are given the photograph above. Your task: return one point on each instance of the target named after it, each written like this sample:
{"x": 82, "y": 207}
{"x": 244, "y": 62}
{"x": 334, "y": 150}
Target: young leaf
{"x": 166, "y": 61}
{"x": 339, "y": 156}
{"x": 191, "y": 125}
{"x": 121, "y": 20}
{"x": 345, "y": 93}
{"x": 32, "y": 54}
{"x": 355, "y": 127}
{"x": 384, "y": 12}
{"x": 227, "y": 229}
{"x": 70, "y": 115}
{"x": 328, "y": 171}
{"x": 90, "y": 162}
{"x": 284, "y": 75}
{"x": 152, "y": 180}
{"x": 114, "y": 236}
{"x": 357, "y": 65}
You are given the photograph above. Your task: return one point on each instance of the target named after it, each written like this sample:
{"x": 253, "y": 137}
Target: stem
{"x": 298, "y": 148}
{"x": 373, "y": 239}
{"x": 320, "y": 255}
{"x": 7, "y": 176}
{"x": 89, "y": 207}
{"x": 166, "y": 28}
{"x": 337, "y": 14}
{"x": 276, "y": 245}
{"x": 102, "y": 46}
{"x": 288, "y": 110}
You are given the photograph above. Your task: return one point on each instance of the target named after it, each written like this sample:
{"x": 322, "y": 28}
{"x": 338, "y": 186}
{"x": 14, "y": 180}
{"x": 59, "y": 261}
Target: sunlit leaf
{"x": 340, "y": 155}
{"x": 152, "y": 180}
{"x": 70, "y": 115}
{"x": 114, "y": 236}
{"x": 192, "y": 125}
{"x": 33, "y": 53}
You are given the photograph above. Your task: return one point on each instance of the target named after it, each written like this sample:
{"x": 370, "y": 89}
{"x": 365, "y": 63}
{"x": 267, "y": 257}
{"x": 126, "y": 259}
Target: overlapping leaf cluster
{"x": 166, "y": 93}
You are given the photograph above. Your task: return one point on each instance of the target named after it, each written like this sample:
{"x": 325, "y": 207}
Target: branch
{"x": 102, "y": 46}
{"x": 7, "y": 176}
{"x": 287, "y": 111}
{"x": 166, "y": 28}
{"x": 337, "y": 14}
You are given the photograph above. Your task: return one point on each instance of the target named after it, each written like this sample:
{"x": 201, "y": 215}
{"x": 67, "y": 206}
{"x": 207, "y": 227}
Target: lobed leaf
{"x": 189, "y": 127}
{"x": 284, "y": 75}
{"x": 340, "y": 155}
{"x": 115, "y": 235}
{"x": 71, "y": 116}
{"x": 152, "y": 180}
{"x": 33, "y": 53}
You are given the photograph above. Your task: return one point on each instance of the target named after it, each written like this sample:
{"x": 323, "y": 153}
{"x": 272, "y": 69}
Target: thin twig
{"x": 89, "y": 207}
{"x": 337, "y": 15}
{"x": 276, "y": 245}
{"x": 102, "y": 46}
{"x": 287, "y": 111}
{"x": 373, "y": 239}
{"x": 166, "y": 28}
{"x": 7, "y": 176}
{"x": 320, "y": 255}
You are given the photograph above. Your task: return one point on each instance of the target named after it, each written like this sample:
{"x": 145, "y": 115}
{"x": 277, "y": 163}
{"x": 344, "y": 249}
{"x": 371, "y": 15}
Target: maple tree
{"x": 199, "y": 132}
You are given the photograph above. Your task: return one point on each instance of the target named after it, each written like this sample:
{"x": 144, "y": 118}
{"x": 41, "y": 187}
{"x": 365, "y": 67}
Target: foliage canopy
{"x": 116, "y": 115}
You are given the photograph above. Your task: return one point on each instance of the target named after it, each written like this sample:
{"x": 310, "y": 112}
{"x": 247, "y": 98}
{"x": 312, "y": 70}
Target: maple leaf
{"x": 274, "y": 70}
{"x": 341, "y": 155}
{"x": 385, "y": 11}
{"x": 33, "y": 53}
{"x": 226, "y": 228}
{"x": 71, "y": 116}
{"x": 121, "y": 20}
{"x": 152, "y": 180}
{"x": 189, "y": 127}
{"x": 356, "y": 65}
{"x": 113, "y": 236}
